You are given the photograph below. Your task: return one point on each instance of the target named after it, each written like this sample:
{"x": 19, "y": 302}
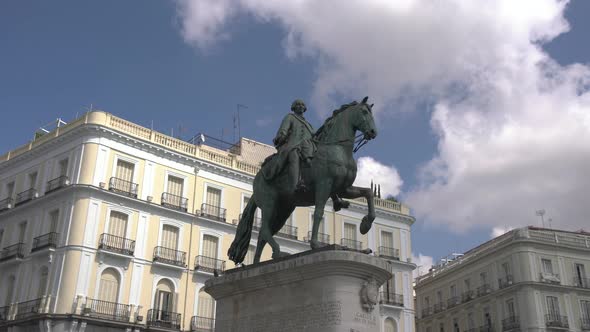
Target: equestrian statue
{"x": 308, "y": 169}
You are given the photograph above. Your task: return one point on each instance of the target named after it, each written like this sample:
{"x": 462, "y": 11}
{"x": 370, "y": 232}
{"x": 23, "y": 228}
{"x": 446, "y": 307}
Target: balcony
{"x": 387, "y": 252}
{"x": 556, "y": 321}
{"x": 585, "y": 324}
{"x": 57, "y": 183}
{"x": 323, "y": 239}
{"x": 6, "y": 204}
{"x": 212, "y": 212}
{"x": 4, "y": 313}
{"x": 169, "y": 256}
{"x": 453, "y": 301}
{"x": 116, "y": 244}
{"x": 288, "y": 231}
{"x": 484, "y": 289}
{"x": 48, "y": 240}
{"x": 486, "y": 328}
{"x": 202, "y": 324}
{"x": 123, "y": 187}
{"x": 426, "y": 312}
{"x": 550, "y": 278}
{"x": 505, "y": 282}
{"x": 25, "y": 196}
{"x": 511, "y": 323}
{"x": 164, "y": 319}
{"x": 174, "y": 202}
{"x": 389, "y": 298}
{"x": 107, "y": 310}
{"x": 467, "y": 296}
{"x": 352, "y": 244}
{"x": 582, "y": 282}
{"x": 209, "y": 264}
{"x": 257, "y": 223}
{"x": 438, "y": 307}
{"x": 13, "y": 251}
{"x": 29, "y": 308}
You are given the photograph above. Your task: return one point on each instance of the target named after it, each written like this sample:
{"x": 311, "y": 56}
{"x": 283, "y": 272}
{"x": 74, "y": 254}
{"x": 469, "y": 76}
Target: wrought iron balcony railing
{"x": 4, "y": 313}
{"x": 350, "y": 243}
{"x": 124, "y": 187}
{"x": 25, "y": 196}
{"x": 116, "y": 244}
{"x": 48, "y": 240}
{"x": 505, "y": 282}
{"x": 28, "y": 308}
{"x": 323, "y": 238}
{"x": 170, "y": 256}
{"x": 174, "y": 202}
{"x": 585, "y": 324}
{"x": 467, "y": 296}
{"x": 390, "y": 298}
{"x": 212, "y": 212}
{"x": 165, "y": 319}
{"x": 388, "y": 252}
{"x": 57, "y": 183}
{"x": 6, "y": 204}
{"x": 484, "y": 290}
{"x": 288, "y": 231}
{"x": 438, "y": 307}
{"x": 582, "y": 282}
{"x": 556, "y": 320}
{"x": 202, "y": 324}
{"x": 426, "y": 312}
{"x": 107, "y": 310}
{"x": 13, "y": 251}
{"x": 510, "y": 323}
{"x": 209, "y": 264}
{"x": 453, "y": 301}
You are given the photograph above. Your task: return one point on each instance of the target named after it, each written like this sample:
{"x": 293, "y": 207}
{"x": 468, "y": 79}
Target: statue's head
{"x": 298, "y": 106}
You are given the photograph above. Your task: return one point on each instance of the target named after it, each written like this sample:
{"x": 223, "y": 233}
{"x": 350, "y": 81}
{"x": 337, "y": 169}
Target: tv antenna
{"x": 541, "y": 213}
{"x": 237, "y": 121}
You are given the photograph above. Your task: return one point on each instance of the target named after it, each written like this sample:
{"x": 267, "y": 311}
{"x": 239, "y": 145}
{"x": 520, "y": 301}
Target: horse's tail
{"x": 239, "y": 247}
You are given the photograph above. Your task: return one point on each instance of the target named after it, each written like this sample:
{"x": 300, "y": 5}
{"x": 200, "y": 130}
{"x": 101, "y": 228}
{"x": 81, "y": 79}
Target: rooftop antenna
{"x": 237, "y": 121}
{"x": 541, "y": 213}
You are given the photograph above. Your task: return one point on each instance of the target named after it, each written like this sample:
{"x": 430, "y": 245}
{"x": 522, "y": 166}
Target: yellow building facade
{"x": 107, "y": 225}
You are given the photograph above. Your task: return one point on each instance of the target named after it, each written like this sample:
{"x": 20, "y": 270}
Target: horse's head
{"x": 363, "y": 119}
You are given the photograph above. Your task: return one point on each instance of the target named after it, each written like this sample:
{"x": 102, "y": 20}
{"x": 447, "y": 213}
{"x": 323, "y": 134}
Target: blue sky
{"x": 448, "y": 98}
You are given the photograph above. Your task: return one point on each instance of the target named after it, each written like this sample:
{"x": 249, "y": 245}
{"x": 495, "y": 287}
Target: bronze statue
{"x": 330, "y": 174}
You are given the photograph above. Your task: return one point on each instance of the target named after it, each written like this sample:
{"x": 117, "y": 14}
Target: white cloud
{"x": 370, "y": 169}
{"x": 497, "y": 231}
{"x": 423, "y": 264}
{"x": 513, "y": 127}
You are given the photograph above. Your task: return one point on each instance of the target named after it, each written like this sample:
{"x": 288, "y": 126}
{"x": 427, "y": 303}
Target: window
{"x": 456, "y": 325}
{"x": 389, "y": 325}
{"x": 249, "y": 259}
{"x": 169, "y": 237}
{"x": 453, "y": 291}
{"x": 42, "y": 282}
{"x": 1, "y": 236}
{"x": 62, "y": 167}
{"x": 206, "y": 305}
{"x": 118, "y": 224}
{"x": 386, "y": 239}
{"x": 349, "y": 231}
{"x": 506, "y": 269}
{"x": 442, "y": 327}
{"x": 467, "y": 284}
{"x": 427, "y": 302}
{"x": 483, "y": 277}
{"x": 553, "y": 307}
{"x": 470, "y": 321}
{"x": 9, "y": 189}
{"x": 585, "y": 310}
{"x": 510, "y": 308}
{"x": 245, "y": 200}
{"x": 487, "y": 318}
{"x": 547, "y": 266}
{"x": 108, "y": 289}
{"x": 22, "y": 228}
{"x": 53, "y": 219}
{"x": 390, "y": 284}
{"x": 164, "y": 299}
{"x": 32, "y": 180}
{"x": 439, "y": 297}
{"x": 9, "y": 290}
{"x": 213, "y": 197}
{"x": 175, "y": 185}
{"x": 124, "y": 170}
{"x": 210, "y": 246}
{"x": 580, "y": 275}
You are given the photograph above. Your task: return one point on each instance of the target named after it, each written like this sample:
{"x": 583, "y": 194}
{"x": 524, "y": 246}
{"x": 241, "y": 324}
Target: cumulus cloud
{"x": 497, "y": 231}
{"x": 423, "y": 264}
{"x": 513, "y": 126}
{"x": 387, "y": 177}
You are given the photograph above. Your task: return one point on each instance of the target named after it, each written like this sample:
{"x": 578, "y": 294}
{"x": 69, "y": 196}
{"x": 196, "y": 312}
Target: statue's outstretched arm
{"x": 283, "y": 131}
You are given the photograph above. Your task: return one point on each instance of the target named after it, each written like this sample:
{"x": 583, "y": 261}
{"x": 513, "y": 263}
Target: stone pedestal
{"x": 325, "y": 290}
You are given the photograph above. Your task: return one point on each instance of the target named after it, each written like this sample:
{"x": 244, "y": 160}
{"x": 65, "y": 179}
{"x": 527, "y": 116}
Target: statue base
{"x": 329, "y": 289}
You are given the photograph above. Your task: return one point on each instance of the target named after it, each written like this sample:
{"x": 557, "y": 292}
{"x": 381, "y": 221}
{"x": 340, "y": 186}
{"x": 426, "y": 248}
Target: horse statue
{"x": 330, "y": 175}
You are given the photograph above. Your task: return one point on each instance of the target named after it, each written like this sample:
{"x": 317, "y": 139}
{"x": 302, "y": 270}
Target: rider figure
{"x": 294, "y": 138}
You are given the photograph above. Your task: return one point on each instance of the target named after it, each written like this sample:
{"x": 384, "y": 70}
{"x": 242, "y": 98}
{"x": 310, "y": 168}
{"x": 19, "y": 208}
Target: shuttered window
{"x": 349, "y": 231}
{"x": 32, "y": 180}
{"x": 109, "y": 286}
{"x": 22, "y": 228}
{"x": 387, "y": 239}
{"x": 10, "y": 189}
{"x": 553, "y": 307}
{"x": 210, "y": 246}
{"x": 42, "y": 282}
{"x": 510, "y": 308}
{"x": 9, "y": 291}
{"x": 175, "y": 185}
{"x": 390, "y": 284}
{"x": 63, "y": 167}
{"x": 170, "y": 237}
{"x": 117, "y": 224}
{"x": 206, "y": 305}
{"x": 53, "y": 219}
{"x": 164, "y": 299}
{"x": 585, "y": 308}
{"x": 124, "y": 170}
{"x": 213, "y": 196}
{"x": 389, "y": 325}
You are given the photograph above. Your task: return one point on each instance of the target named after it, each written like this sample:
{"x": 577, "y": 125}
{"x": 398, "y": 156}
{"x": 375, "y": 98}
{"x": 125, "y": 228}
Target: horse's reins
{"x": 359, "y": 141}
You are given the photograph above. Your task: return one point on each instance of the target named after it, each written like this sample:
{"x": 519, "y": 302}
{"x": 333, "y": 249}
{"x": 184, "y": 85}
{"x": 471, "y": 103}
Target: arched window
{"x": 389, "y": 325}
{"x": 164, "y": 300}
{"x": 9, "y": 290}
{"x": 118, "y": 224}
{"x": 44, "y": 272}
{"x": 206, "y": 304}
{"x": 108, "y": 289}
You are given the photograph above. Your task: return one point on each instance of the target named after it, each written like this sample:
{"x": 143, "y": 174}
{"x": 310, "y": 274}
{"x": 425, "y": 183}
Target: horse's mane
{"x": 321, "y": 132}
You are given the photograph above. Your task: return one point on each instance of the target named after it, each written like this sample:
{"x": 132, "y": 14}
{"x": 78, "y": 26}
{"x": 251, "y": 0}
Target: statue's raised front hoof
{"x": 338, "y": 205}
{"x": 366, "y": 224}
{"x": 280, "y": 255}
